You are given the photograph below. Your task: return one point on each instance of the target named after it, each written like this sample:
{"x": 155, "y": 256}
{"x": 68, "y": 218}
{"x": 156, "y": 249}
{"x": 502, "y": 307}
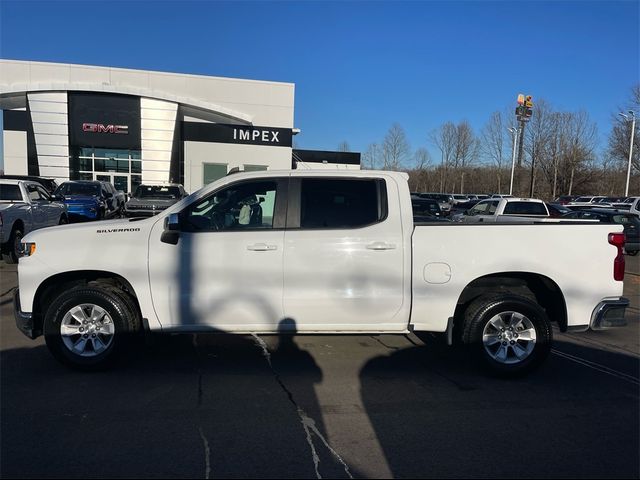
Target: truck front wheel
{"x": 13, "y": 246}
{"x": 87, "y": 326}
{"x": 511, "y": 334}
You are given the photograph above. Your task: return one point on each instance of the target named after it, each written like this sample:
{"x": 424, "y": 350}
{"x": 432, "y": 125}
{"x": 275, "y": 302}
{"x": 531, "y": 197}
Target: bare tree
{"x": 538, "y": 134}
{"x": 395, "y": 148}
{"x": 620, "y": 136}
{"x": 444, "y": 138}
{"x": 371, "y": 157}
{"x": 494, "y": 144}
{"x": 344, "y": 146}
{"x": 582, "y": 139}
{"x": 420, "y": 172}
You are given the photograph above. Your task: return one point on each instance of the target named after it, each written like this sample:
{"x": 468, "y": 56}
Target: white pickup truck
{"x": 317, "y": 252}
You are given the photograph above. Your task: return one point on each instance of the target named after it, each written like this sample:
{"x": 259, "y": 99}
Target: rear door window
{"x": 341, "y": 203}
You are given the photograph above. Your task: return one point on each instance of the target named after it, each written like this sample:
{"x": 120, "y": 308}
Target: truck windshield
{"x": 149, "y": 191}
{"x": 10, "y": 193}
{"x": 89, "y": 189}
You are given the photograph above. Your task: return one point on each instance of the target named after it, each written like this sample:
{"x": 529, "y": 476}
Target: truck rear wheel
{"x": 86, "y": 327}
{"x": 510, "y": 333}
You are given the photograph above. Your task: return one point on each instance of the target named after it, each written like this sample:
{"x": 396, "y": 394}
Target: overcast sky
{"x": 358, "y": 66}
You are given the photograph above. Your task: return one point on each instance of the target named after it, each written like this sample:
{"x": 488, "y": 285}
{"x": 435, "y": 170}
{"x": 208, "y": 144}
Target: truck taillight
{"x": 617, "y": 239}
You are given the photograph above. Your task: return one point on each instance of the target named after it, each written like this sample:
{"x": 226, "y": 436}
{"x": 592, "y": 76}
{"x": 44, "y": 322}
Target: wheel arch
{"x": 537, "y": 287}
{"x": 47, "y": 290}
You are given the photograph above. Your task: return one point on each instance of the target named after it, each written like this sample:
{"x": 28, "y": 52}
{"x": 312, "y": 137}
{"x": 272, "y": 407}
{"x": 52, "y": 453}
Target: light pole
{"x": 514, "y": 133}
{"x": 633, "y": 128}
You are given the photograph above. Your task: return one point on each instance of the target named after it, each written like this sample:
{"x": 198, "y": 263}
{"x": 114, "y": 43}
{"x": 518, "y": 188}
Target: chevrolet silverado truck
{"x": 25, "y": 206}
{"x": 317, "y": 253}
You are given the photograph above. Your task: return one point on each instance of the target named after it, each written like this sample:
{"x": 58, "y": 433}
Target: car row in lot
{"x": 29, "y": 203}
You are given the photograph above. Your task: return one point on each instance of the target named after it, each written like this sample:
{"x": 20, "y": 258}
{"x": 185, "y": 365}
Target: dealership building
{"x": 130, "y": 127}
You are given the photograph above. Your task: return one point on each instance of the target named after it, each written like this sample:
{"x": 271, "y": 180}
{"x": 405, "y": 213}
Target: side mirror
{"x": 58, "y": 198}
{"x": 108, "y": 195}
{"x": 171, "y": 233}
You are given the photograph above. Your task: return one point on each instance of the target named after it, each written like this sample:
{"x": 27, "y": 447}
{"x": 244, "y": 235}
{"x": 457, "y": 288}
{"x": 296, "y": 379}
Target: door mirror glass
{"x": 172, "y": 222}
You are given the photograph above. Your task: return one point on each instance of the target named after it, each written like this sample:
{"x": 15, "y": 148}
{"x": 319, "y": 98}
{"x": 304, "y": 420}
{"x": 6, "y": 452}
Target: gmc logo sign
{"x": 100, "y": 128}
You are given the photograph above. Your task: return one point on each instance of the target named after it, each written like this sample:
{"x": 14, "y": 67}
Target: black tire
{"x": 63, "y": 220}
{"x": 486, "y": 309}
{"x": 12, "y": 253}
{"x": 118, "y": 305}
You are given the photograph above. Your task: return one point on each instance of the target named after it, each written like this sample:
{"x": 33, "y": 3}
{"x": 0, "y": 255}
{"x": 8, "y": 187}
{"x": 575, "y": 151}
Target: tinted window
{"x": 152, "y": 191}
{"x": 241, "y": 206}
{"x": 425, "y": 207}
{"x": 79, "y": 189}
{"x": 525, "y": 208}
{"x": 329, "y": 203}
{"x": 10, "y": 193}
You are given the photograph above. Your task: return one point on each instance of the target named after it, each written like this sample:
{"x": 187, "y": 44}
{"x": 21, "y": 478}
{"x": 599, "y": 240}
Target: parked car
{"x": 585, "y": 200}
{"x": 459, "y": 198}
{"x": 149, "y": 200}
{"x": 629, "y": 221}
{"x": 505, "y": 209}
{"x": 627, "y": 204}
{"x": 477, "y": 196}
{"x": 460, "y": 208}
{"x": 25, "y": 206}
{"x": 557, "y": 210}
{"x": 49, "y": 184}
{"x": 335, "y": 250}
{"x": 425, "y": 207}
{"x": 565, "y": 199}
{"x": 91, "y": 199}
{"x": 444, "y": 200}
{"x": 501, "y": 195}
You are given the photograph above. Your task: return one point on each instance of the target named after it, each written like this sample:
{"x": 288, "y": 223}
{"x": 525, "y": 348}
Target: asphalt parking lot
{"x": 321, "y": 406}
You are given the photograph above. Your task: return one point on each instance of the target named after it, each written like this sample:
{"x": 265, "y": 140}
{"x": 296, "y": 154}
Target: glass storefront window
{"x": 85, "y": 164}
{"x": 213, "y": 171}
{"x": 121, "y": 166}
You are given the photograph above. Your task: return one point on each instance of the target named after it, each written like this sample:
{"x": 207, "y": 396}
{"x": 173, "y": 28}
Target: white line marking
{"x": 598, "y": 367}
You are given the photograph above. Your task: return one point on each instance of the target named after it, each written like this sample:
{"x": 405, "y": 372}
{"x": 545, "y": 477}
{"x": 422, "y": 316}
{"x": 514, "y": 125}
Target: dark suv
{"x": 91, "y": 199}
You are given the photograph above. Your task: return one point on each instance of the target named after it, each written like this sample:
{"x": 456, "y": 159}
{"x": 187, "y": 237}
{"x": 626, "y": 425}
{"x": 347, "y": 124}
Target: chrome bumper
{"x": 609, "y": 314}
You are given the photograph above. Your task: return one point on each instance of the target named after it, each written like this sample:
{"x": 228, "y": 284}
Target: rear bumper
{"x": 24, "y": 321}
{"x": 609, "y": 313}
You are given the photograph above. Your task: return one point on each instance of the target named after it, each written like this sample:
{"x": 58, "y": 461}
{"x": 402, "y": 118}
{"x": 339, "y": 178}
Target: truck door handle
{"x": 262, "y": 247}
{"x": 381, "y": 246}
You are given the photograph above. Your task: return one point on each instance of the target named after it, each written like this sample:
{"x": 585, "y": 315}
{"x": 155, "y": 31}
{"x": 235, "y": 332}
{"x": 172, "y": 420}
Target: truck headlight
{"x": 28, "y": 249}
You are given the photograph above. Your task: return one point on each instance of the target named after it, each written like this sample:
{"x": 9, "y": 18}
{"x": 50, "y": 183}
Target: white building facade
{"x": 130, "y": 127}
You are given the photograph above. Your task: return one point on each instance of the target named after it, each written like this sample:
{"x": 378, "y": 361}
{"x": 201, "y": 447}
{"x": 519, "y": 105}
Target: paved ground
{"x": 330, "y": 406}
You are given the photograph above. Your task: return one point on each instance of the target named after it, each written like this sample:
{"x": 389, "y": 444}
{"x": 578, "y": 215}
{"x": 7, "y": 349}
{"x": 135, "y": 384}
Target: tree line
{"x": 561, "y": 146}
